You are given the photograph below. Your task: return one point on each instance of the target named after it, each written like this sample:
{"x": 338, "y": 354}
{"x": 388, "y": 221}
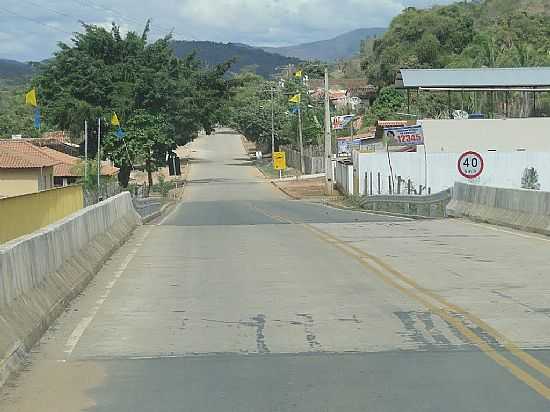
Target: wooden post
{"x": 390, "y": 191}
{"x": 409, "y": 186}
{"x": 379, "y": 182}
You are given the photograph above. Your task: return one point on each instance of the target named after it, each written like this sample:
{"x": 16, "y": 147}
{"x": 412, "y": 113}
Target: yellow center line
{"x": 415, "y": 293}
{"x": 507, "y": 343}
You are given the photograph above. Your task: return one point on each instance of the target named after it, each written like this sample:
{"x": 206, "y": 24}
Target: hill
{"x": 340, "y": 47}
{"x": 493, "y": 33}
{"x": 11, "y": 69}
{"x": 247, "y": 57}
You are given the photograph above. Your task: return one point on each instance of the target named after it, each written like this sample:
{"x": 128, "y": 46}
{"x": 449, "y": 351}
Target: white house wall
{"x": 502, "y": 169}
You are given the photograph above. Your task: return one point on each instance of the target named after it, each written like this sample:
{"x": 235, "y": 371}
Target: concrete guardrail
{"x": 425, "y": 206}
{"x": 517, "y": 208}
{"x": 42, "y": 272}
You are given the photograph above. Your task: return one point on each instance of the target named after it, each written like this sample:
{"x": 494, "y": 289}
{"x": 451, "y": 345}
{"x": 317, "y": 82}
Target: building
{"x": 69, "y": 170}
{"x": 24, "y": 168}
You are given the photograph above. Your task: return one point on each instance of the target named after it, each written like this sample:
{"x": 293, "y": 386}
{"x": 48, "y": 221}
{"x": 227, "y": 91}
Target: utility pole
{"x": 85, "y": 151}
{"x": 328, "y": 140}
{"x": 302, "y": 164}
{"x": 272, "y": 122}
{"x": 98, "y": 156}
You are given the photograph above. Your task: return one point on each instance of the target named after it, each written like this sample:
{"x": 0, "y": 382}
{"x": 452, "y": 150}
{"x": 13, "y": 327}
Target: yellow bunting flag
{"x": 297, "y": 98}
{"x": 30, "y": 98}
{"x": 299, "y": 74}
{"x": 114, "y": 120}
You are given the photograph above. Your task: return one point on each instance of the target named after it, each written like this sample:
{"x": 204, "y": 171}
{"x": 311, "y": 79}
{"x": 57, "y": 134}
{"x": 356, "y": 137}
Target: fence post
{"x": 366, "y": 184}
{"x": 370, "y": 181}
{"x": 398, "y": 185}
{"x": 390, "y": 191}
{"x": 379, "y": 182}
{"x": 409, "y": 186}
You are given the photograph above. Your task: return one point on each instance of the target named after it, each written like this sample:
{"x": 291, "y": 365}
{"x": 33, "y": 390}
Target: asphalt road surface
{"x": 243, "y": 300}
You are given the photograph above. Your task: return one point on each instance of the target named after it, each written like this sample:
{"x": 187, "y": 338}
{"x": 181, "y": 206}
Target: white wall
{"x": 344, "y": 178}
{"x": 507, "y": 135}
{"x": 502, "y": 169}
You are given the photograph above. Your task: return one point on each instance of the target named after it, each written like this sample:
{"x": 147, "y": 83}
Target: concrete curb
{"x": 158, "y": 213}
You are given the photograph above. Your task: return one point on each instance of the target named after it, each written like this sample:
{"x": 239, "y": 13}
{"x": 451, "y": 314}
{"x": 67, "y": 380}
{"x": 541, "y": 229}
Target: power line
{"x": 35, "y": 21}
{"x": 91, "y": 4}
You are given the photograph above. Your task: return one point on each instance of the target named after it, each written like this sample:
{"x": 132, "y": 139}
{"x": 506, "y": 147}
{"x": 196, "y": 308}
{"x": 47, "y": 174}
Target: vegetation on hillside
{"x": 494, "y": 33}
{"x": 460, "y": 35}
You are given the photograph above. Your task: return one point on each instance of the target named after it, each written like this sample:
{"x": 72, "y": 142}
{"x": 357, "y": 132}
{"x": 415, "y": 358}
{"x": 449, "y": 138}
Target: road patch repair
{"x": 42, "y": 272}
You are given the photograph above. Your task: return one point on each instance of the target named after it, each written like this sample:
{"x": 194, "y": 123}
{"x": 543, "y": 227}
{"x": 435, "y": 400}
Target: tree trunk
{"x": 124, "y": 175}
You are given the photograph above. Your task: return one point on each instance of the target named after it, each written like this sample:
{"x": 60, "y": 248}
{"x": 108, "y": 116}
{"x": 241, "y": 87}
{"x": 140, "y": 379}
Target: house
{"x": 68, "y": 169}
{"x": 24, "y": 168}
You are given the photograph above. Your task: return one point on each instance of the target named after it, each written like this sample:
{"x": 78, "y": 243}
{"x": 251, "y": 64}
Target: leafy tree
{"x": 389, "y": 102}
{"x": 149, "y": 137}
{"x": 165, "y": 100}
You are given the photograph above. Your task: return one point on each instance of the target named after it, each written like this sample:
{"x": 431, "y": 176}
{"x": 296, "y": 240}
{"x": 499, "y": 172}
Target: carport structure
{"x": 502, "y": 87}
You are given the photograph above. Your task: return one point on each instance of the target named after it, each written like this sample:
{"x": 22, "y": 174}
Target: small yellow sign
{"x": 279, "y": 160}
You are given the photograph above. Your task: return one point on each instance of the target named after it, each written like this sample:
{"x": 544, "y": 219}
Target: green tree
{"x": 143, "y": 82}
{"x": 149, "y": 137}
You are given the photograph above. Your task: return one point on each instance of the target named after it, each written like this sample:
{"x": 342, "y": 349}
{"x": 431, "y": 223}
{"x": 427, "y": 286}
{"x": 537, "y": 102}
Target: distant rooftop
{"x": 521, "y": 77}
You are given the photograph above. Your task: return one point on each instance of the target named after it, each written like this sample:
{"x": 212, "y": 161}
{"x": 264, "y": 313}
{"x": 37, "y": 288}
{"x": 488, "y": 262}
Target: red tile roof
{"x": 68, "y": 165}
{"x": 22, "y": 155}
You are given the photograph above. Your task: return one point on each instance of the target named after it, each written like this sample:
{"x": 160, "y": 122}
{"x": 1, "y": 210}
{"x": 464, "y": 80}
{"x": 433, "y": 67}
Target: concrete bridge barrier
{"x": 42, "y": 272}
{"x": 517, "y": 208}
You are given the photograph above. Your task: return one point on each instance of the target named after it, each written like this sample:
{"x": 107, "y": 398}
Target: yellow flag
{"x": 297, "y": 98}
{"x": 299, "y": 74}
{"x": 114, "y": 120}
{"x": 30, "y": 98}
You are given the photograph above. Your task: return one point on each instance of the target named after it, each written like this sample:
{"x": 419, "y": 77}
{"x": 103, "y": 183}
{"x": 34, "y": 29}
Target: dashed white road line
{"x": 75, "y": 337}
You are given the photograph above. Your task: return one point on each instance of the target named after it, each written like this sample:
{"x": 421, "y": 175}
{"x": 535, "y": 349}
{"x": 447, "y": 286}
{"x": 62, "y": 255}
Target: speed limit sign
{"x": 470, "y": 165}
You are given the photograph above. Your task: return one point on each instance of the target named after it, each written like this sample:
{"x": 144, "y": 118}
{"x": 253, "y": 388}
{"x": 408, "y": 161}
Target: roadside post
{"x": 279, "y": 162}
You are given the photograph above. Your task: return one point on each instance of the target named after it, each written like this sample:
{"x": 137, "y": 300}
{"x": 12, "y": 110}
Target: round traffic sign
{"x": 470, "y": 165}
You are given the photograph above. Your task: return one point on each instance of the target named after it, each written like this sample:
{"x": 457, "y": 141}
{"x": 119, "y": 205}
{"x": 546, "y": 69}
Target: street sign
{"x": 279, "y": 160}
{"x": 470, "y": 165}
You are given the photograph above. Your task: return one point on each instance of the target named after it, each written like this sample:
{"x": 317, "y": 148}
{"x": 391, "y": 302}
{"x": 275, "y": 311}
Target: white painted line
{"x": 496, "y": 229}
{"x": 75, "y": 337}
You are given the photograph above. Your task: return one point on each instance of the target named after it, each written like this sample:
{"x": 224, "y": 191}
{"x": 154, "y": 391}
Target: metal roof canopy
{"x": 484, "y": 78}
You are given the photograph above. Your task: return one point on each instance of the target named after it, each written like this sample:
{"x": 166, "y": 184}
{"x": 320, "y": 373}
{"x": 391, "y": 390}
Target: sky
{"x": 31, "y": 29}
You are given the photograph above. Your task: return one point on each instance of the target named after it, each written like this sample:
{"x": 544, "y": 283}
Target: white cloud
{"x": 40, "y": 24}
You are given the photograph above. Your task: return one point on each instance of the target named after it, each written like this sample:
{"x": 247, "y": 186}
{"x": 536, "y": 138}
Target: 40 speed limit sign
{"x": 470, "y": 165}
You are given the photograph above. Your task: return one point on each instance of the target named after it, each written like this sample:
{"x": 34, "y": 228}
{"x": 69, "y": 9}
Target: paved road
{"x": 243, "y": 300}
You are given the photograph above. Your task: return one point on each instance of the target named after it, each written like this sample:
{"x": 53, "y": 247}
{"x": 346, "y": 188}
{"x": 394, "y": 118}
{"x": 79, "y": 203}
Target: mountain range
{"x": 11, "y": 69}
{"x": 246, "y": 57}
{"x": 263, "y": 60}
{"x": 340, "y": 47}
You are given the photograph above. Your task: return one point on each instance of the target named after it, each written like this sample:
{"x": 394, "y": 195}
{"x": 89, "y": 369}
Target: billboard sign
{"x": 404, "y": 136}
{"x": 341, "y": 122}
